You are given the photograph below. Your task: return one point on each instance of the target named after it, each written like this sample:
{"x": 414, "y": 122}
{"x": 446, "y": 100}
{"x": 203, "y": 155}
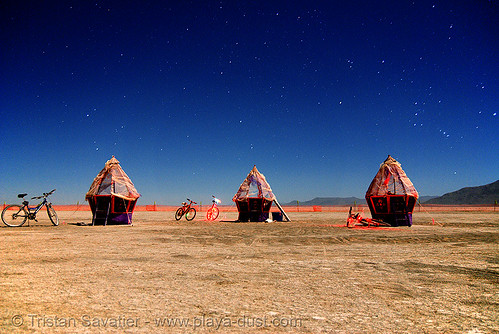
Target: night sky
{"x": 189, "y": 95}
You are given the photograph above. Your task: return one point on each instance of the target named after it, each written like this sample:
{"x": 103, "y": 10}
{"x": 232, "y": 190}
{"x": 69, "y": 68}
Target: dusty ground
{"x": 307, "y": 276}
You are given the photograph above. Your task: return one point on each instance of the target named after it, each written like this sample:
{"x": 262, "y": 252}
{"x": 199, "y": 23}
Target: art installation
{"x": 391, "y": 197}
{"x": 254, "y": 197}
{"x": 112, "y": 196}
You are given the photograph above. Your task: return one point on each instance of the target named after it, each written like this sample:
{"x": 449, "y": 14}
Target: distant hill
{"x": 330, "y": 201}
{"x": 486, "y": 194}
{"x": 423, "y": 199}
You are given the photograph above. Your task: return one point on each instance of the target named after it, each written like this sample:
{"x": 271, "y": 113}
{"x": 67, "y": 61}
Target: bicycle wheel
{"x": 191, "y": 213}
{"x": 214, "y": 213}
{"x": 14, "y": 215}
{"x": 52, "y": 215}
{"x": 209, "y": 213}
{"x": 179, "y": 214}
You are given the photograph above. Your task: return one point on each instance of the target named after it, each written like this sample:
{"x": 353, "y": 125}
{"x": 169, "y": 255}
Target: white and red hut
{"x": 254, "y": 197}
{"x": 391, "y": 196}
{"x": 112, "y": 196}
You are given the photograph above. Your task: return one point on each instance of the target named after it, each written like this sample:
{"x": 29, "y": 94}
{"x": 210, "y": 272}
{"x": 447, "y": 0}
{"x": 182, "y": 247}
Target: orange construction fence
{"x": 294, "y": 208}
{"x": 226, "y": 208}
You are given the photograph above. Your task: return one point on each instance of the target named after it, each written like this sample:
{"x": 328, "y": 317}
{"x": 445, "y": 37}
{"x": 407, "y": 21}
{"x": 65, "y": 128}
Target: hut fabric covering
{"x": 254, "y": 186}
{"x": 112, "y": 180}
{"x": 391, "y": 180}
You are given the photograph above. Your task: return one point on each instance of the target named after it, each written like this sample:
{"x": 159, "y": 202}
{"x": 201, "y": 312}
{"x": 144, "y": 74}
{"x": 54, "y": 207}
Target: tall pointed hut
{"x": 391, "y": 196}
{"x": 112, "y": 195}
{"x": 254, "y": 197}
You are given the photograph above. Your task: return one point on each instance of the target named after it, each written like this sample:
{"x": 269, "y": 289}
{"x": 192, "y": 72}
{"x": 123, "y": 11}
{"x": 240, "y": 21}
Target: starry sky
{"x": 189, "y": 95}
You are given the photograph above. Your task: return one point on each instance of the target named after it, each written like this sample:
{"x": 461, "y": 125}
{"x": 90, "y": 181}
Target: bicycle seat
{"x": 21, "y": 195}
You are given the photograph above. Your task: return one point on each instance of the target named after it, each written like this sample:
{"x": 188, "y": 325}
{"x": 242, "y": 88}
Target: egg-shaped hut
{"x": 391, "y": 196}
{"x": 112, "y": 196}
{"x": 254, "y": 197}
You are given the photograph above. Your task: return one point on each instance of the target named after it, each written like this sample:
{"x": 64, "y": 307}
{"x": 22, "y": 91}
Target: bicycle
{"x": 213, "y": 212}
{"x": 355, "y": 219}
{"x": 186, "y": 210}
{"x": 15, "y": 215}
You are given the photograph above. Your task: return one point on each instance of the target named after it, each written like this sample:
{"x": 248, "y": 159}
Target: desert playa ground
{"x": 307, "y": 276}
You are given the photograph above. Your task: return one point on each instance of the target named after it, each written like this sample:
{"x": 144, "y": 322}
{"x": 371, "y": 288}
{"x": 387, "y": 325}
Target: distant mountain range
{"x": 486, "y": 194}
{"x": 329, "y": 201}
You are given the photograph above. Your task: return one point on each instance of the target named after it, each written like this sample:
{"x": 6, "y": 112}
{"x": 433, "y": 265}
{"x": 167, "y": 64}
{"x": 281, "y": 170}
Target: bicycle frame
{"x": 32, "y": 211}
{"x": 186, "y": 206}
{"x": 185, "y": 209}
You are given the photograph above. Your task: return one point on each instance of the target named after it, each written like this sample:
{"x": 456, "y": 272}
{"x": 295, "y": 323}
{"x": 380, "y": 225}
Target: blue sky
{"x": 189, "y": 95}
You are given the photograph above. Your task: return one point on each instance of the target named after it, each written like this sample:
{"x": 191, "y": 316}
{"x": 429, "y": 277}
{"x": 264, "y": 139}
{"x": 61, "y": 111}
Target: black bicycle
{"x": 15, "y": 215}
{"x": 186, "y": 210}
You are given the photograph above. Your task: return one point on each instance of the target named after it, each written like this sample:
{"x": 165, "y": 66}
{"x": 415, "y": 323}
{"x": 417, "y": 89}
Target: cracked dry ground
{"x": 310, "y": 275}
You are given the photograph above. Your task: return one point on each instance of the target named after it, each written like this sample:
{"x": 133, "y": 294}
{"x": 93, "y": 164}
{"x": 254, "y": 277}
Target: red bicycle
{"x": 186, "y": 210}
{"x": 213, "y": 212}
{"x": 355, "y": 219}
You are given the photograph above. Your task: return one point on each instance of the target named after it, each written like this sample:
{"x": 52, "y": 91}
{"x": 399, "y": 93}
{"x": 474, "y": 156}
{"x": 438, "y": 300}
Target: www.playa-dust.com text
{"x": 52, "y": 321}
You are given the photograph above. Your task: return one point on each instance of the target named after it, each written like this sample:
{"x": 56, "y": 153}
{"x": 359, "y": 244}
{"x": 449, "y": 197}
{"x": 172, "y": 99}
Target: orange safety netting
{"x": 112, "y": 180}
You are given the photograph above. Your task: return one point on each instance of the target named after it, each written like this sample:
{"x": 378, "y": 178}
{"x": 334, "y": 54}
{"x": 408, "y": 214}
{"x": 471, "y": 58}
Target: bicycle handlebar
{"x": 44, "y": 195}
{"x": 190, "y": 200}
{"x": 49, "y": 193}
